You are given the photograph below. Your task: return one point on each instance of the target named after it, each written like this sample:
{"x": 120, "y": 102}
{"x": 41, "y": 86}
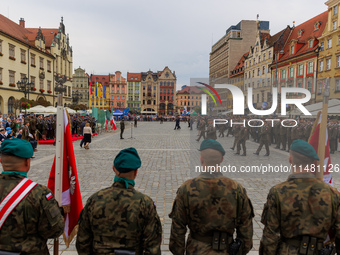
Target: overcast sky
{"x": 138, "y": 35}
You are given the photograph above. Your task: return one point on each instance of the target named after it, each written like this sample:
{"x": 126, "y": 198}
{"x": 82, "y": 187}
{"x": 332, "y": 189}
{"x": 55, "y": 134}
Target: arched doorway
{"x": 11, "y": 105}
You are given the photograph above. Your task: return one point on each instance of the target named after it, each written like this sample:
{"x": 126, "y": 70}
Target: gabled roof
{"x": 190, "y": 90}
{"x": 308, "y": 33}
{"x": 48, "y": 33}
{"x": 134, "y": 77}
{"x": 103, "y": 79}
{"x": 14, "y": 30}
{"x": 263, "y": 37}
{"x": 239, "y": 68}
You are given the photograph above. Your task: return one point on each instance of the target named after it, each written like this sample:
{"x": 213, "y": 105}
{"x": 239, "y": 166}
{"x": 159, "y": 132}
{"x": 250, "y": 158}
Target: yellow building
{"x": 329, "y": 53}
{"x": 100, "y": 86}
{"x": 39, "y": 54}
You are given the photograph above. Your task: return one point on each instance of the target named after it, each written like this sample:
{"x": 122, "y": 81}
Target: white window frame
{"x": 310, "y": 67}
{"x": 328, "y": 64}
{"x": 300, "y": 70}
{"x": 321, "y": 66}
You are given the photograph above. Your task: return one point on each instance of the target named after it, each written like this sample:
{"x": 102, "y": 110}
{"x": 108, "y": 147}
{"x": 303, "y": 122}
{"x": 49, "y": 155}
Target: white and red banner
{"x": 113, "y": 124}
{"x": 71, "y": 197}
{"x": 314, "y": 141}
{"x": 106, "y": 123}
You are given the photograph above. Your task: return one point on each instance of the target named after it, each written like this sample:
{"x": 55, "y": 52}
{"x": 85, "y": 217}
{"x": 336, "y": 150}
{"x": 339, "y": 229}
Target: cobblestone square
{"x": 168, "y": 158}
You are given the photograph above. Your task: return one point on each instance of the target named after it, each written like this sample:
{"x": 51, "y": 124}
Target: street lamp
{"x": 26, "y": 87}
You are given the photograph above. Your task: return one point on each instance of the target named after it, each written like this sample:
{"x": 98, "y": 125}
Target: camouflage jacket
{"x": 210, "y": 202}
{"x": 117, "y": 217}
{"x": 302, "y": 205}
{"x": 32, "y": 222}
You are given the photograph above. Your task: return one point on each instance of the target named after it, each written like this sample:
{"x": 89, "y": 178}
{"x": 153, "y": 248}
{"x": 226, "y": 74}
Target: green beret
{"x": 127, "y": 160}
{"x": 304, "y": 148}
{"x": 17, "y": 147}
{"x": 212, "y": 144}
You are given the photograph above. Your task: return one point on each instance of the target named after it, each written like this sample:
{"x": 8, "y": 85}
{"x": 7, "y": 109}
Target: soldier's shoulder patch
{"x": 49, "y": 196}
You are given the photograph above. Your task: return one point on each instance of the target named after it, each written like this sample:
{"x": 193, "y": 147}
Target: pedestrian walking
{"x": 122, "y": 127}
{"x": 87, "y": 134}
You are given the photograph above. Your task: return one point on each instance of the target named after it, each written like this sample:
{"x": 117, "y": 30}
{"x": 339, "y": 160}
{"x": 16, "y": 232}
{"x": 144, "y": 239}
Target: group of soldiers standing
{"x": 270, "y": 133}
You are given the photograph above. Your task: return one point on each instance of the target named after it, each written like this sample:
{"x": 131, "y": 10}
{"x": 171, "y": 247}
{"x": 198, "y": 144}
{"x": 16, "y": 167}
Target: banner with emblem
{"x": 71, "y": 197}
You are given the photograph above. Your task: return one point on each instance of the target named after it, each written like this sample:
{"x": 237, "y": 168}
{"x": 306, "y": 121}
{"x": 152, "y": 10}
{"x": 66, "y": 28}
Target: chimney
{"x": 22, "y": 22}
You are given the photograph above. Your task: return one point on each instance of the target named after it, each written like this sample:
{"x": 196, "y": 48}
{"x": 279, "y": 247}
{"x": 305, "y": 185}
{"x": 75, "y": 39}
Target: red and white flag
{"x": 314, "y": 141}
{"x": 113, "y": 124}
{"x": 71, "y": 197}
{"x": 106, "y": 123}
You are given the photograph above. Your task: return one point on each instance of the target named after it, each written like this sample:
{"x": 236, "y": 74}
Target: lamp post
{"x": 25, "y": 86}
{"x": 59, "y": 88}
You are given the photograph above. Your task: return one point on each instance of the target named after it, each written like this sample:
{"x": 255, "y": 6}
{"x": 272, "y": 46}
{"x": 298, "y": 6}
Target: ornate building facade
{"x": 80, "y": 85}
{"x": 134, "y": 92}
{"x": 37, "y": 54}
{"x": 118, "y": 91}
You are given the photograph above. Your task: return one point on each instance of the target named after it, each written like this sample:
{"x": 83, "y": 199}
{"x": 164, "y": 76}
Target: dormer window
{"x": 292, "y": 48}
{"x": 300, "y": 32}
{"x": 317, "y": 25}
{"x": 310, "y": 43}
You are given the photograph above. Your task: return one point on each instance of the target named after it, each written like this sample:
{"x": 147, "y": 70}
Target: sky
{"x": 141, "y": 35}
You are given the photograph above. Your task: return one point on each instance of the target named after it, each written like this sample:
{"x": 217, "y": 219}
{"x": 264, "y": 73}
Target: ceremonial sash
{"x": 14, "y": 197}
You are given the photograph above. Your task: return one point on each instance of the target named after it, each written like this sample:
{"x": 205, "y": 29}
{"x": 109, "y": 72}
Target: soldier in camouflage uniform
{"x": 37, "y": 217}
{"x": 243, "y": 136}
{"x": 300, "y": 212}
{"x": 264, "y": 139}
{"x": 212, "y": 207}
{"x": 120, "y": 217}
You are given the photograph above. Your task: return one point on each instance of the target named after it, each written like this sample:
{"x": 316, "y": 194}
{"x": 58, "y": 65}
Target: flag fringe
{"x": 70, "y": 238}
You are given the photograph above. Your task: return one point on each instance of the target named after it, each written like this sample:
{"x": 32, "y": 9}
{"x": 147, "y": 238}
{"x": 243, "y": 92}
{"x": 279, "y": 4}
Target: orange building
{"x": 189, "y": 98}
{"x": 118, "y": 91}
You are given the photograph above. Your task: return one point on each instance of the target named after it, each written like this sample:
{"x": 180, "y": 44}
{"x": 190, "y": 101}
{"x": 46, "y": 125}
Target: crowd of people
{"x": 264, "y": 132}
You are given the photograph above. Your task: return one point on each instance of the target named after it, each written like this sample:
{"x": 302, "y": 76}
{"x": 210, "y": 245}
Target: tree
{"x": 16, "y": 105}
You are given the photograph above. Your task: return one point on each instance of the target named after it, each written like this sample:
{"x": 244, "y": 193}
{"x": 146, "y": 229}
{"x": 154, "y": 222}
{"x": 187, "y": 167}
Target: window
{"x": 122, "y": 97}
{"x": 322, "y": 46}
{"x": 334, "y": 25}
{"x": 259, "y": 59}
{"x": 41, "y": 63}
{"x": 337, "y": 88}
{"x": 264, "y": 56}
{"x": 283, "y": 74}
{"x": 154, "y": 87}
{"x": 320, "y": 87}
{"x": 41, "y": 83}
{"x": 329, "y": 43}
{"x": 310, "y": 67}
{"x": 258, "y": 72}
{"x": 299, "y": 84}
{"x": 117, "y": 97}
{"x": 291, "y": 72}
{"x": 1, "y": 46}
{"x": 321, "y": 66}
{"x": 11, "y": 77}
{"x": 310, "y": 85}
{"x": 32, "y": 60}
{"x": 328, "y": 64}
{"x": 338, "y": 40}
{"x": 49, "y": 87}
{"x": 48, "y": 66}
{"x": 0, "y": 76}
{"x": 310, "y": 43}
{"x": 136, "y": 98}
{"x": 264, "y": 70}
{"x": 11, "y": 51}
{"x": 338, "y": 61}
{"x": 292, "y": 50}
{"x": 335, "y": 10}
{"x": 23, "y": 56}
{"x": 300, "y": 70}
{"x": 33, "y": 80}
